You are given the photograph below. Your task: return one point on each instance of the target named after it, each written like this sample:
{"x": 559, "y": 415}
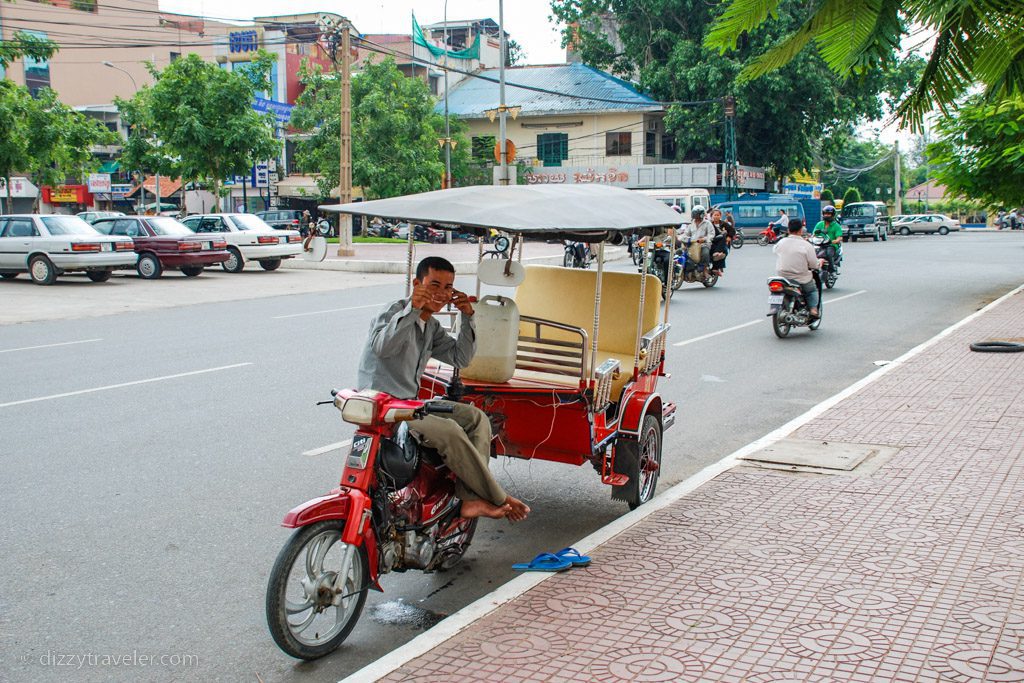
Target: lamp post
{"x": 142, "y": 188}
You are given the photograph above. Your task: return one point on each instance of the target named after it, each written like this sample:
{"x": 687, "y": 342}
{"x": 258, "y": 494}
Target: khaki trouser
{"x": 464, "y": 443}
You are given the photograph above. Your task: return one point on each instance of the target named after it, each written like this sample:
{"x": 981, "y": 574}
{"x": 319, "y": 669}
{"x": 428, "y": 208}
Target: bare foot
{"x": 518, "y": 509}
{"x": 481, "y": 508}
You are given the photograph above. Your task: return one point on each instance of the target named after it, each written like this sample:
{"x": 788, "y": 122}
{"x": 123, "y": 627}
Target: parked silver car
{"x": 48, "y": 246}
{"x": 926, "y": 223}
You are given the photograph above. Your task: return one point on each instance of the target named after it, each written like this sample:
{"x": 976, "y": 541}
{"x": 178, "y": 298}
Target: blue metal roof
{"x": 589, "y": 89}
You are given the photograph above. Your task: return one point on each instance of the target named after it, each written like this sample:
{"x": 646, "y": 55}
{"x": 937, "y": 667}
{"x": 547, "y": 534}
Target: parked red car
{"x": 163, "y": 242}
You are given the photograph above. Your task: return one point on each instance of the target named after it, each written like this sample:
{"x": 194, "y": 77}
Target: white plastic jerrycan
{"x": 496, "y": 319}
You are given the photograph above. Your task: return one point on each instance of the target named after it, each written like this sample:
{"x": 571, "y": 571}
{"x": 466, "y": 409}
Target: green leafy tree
{"x": 44, "y": 138}
{"x": 852, "y": 195}
{"x": 979, "y": 154}
{"x": 196, "y": 121}
{"x": 784, "y": 122}
{"x": 24, "y": 44}
{"x": 975, "y": 41}
{"x": 395, "y": 132}
{"x": 827, "y": 196}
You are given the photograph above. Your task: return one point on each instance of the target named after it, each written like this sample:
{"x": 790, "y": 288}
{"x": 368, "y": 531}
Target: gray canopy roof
{"x": 530, "y": 209}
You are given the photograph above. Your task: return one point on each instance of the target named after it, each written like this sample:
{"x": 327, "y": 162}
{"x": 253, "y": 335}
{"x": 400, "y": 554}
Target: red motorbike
{"x": 769, "y": 236}
{"x": 394, "y": 510}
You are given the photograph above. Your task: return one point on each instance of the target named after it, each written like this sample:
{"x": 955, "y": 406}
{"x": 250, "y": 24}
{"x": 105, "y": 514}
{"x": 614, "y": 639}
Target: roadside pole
{"x": 157, "y": 188}
{"x": 898, "y": 203}
{"x": 345, "y": 177}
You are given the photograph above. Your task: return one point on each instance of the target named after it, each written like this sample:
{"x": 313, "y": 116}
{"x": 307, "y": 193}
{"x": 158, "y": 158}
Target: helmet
{"x": 698, "y": 212}
{"x": 829, "y": 210}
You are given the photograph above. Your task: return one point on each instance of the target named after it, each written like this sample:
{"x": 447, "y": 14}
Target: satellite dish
{"x": 317, "y": 250}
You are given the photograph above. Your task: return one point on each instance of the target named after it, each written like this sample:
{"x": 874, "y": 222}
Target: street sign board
{"x": 260, "y": 175}
{"x": 99, "y": 182}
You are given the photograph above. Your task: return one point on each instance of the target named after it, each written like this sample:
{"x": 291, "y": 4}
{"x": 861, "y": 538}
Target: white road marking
{"x": 328, "y": 310}
{"x": 715, "y": 334}
{"x": 329, "y": 447}
{"x": 754, "y": 322}
{"x": 50, "y": 346}
{"x": 447, "y": 628}
{"x": 121, "y": 385}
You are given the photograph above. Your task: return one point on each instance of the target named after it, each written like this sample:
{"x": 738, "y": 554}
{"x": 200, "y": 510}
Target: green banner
{"x": 471, "y": 52}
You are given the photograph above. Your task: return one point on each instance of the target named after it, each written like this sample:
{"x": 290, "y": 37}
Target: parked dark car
{"x": 282, "y": 219}
{"x": 163, "y": 243}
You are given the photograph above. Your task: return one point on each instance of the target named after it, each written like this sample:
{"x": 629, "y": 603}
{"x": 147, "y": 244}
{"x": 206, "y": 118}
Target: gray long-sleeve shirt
{"x": 694, "y": 231}
{"x": 397, "y": 350}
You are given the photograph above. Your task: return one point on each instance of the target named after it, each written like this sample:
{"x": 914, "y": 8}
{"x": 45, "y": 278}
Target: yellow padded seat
{"x": 566, "y": 295}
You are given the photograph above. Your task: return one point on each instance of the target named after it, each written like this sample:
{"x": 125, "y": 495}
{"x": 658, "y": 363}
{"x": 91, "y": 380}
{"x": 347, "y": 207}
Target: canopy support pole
{"x": 408, "y": 264}
{"x": 640, "y": 315}
{"x": 597, "y": 313}
{"x": 671, "y": 272}
{"x": 479, "y": 258}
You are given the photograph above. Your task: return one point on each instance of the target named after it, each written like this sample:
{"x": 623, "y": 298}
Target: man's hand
{"x": 421, "y": 296}
{"x": 461, "y": 301}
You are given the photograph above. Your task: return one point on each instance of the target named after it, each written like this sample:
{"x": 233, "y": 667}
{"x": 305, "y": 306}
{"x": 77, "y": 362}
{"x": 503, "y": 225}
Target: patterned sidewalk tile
{"x": 912, "y": 573}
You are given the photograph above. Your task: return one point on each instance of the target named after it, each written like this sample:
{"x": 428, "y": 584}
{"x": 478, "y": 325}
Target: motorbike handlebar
{"x": 438, "y": 408}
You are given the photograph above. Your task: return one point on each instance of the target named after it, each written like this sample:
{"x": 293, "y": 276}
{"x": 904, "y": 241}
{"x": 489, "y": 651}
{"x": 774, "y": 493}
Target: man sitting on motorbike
{"x": 796, "y": 260}
{"x": 829, "y": 228}
{"x": 403, "y": 337}
{"x": 700, "y": 231}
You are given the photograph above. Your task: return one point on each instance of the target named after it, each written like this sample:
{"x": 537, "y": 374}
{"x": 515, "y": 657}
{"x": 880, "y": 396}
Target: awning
{"x": 168, "y": 186}
{"x": 110, "y": 167}
{"x": 543, "y": 210}
{"x": 22, "y": 188}
{"x": 299, "y": 186}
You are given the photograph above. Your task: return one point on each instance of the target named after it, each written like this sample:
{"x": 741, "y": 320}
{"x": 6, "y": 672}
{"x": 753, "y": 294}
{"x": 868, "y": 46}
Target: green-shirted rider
{"x": 829, "y": 228}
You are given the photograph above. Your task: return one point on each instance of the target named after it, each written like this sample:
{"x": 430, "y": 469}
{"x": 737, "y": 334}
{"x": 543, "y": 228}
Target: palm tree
{"x": 975, "y": 41}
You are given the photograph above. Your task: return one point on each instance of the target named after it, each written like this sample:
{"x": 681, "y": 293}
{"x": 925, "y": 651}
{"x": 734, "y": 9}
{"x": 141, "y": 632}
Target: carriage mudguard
{"x": 638, "y": 404}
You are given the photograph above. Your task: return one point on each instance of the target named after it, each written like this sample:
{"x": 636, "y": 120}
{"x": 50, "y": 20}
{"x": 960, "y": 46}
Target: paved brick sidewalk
{"x": 912, "y": 573}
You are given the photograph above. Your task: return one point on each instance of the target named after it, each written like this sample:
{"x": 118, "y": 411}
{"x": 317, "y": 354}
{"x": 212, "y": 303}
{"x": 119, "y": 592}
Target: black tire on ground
{"x": 149, "y": 267}
{"x": 997, "y": 347}
{"x": 235, "y": 262}
{"x": 904, "y": 231}
{"x": 737, "y": 241}
{"x": 277, "y": 587}
{"x": 943, "y": 230}
{"x": 640, "y": 460}
{"x": 711, "y": 281}
{"x": 830, "y": 280}
{"x": 846, "y": 238}
{"x": 41, "y": 270}
{"x": 192, "y": 271}
{"x": 270, "y": 264}
{"x": 780, "y": 329}
{"x": 98, "y": 275}
{"x": 8, "y": 276}
{"x": 568, "y": 260}
{"x": 762, "y": 241}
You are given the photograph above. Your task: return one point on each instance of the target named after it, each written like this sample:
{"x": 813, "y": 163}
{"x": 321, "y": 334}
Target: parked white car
{"x": 45, "y": 246}
{"x": 248, "y": 238}
{"x": 926, "y": 223}
{"x": 91, "y": 217}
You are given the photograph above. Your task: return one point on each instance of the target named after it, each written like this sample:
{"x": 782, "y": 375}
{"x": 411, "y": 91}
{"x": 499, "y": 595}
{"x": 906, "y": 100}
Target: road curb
{"x": 399, "y": 267}
{"x": 485, "y": 605}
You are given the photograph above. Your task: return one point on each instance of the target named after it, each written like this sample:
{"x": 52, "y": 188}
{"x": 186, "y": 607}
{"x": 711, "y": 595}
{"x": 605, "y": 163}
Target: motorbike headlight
{"x": 359, "y": 410}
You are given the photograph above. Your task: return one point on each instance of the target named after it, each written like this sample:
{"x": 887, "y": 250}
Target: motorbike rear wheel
{"x": 710, "y": 281}
{"x": 830, "y": 280}
{"x": 301, "y": 597}
{"x": 737, "y": 241}
{"x": 780, "y": 328}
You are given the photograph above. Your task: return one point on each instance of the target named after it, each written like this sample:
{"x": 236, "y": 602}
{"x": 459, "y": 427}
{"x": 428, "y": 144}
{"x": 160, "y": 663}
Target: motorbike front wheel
{"x": 307, "y": 616}
{"x": 781, "y": 329}
{"x": 762, "y": 240}
{"x": 569, "y": 260}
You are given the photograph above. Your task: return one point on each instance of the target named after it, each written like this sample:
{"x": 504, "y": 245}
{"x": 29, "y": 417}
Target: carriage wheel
{"x": 640, "y": 460}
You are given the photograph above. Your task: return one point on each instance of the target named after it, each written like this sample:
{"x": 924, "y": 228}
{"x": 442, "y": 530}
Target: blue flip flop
{"x": 545, "y": 562}
{"x": 573, "y": 556}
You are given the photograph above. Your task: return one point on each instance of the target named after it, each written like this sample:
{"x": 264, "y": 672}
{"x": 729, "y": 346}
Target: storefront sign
{"x": 804, "y": 190}
{"x": 281, "y": 111}
{"x": 99, "y": 182}
{"x": 750, "y": 177}
{"x": 244, "y": 43}
{"x": 21, "y": 188}
{"x": 579, "y": 176}
{"x": 67, "y": 194}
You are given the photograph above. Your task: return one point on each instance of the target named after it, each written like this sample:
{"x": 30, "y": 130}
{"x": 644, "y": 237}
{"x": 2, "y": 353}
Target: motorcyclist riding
{"x": 797, "y": 261}
{"x": 830, "y": 229}
{"x": 700, "y": 231}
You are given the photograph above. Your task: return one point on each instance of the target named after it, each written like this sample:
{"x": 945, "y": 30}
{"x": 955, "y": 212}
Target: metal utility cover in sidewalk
{"x": 810, "y": 455}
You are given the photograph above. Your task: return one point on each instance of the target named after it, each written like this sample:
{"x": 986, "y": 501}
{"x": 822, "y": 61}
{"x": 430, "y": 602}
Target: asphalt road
{"x": 148, "y": 457}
